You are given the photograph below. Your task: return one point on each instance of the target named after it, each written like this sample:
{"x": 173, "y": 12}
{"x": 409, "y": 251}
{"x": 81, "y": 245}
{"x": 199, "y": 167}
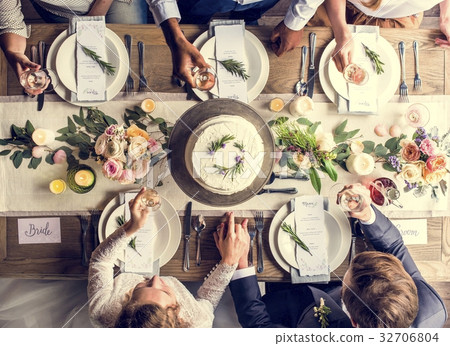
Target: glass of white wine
{"x": 204, "y": 78}
{"x": 151, "y": 199}
{"x": 348, "y": 199}
{"x": 37, "y": 80}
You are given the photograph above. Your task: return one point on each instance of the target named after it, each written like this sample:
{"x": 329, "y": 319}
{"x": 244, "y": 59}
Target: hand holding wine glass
{"x": 355, "y": 199}
{"x": 36, "y": 81}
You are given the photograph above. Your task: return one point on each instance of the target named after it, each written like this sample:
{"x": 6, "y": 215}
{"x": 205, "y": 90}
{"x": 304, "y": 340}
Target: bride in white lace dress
{"x": 133, "y": 300}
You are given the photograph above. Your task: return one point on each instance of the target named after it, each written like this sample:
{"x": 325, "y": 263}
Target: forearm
{"x": 172, "y": 33}
{"x": 336, "y": 13}
{"x": 100, "y": 7}
{"x": 13, "y": 43}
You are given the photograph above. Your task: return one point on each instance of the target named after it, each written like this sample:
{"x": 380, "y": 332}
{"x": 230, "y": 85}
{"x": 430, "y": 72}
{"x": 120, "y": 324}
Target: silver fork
{"x": 417, "y": 80}
{"x": 403, "y": 86}
{"x": 129, "y": 85}
{"x": 84, "y": 227}
{"x": 259, "y": 224}
{"x": 252, "y": 233}
{"x": 142, "y": 79}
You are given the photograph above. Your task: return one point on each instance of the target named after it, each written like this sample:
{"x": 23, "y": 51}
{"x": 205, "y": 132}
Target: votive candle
{"x": 360, "y": 164}
{"x": 43, "y": 136}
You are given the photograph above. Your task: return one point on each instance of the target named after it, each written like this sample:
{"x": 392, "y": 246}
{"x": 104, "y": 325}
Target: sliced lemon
{"x": 301, "y": 106}
{"x": 148, "y": 105}
{"x": 57, "y": 186}
{"x": 276, "y": 104}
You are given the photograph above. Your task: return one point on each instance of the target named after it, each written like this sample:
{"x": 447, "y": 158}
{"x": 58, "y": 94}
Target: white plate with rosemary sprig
{"x": 333, "y": 82}
{"x": 256, "y": 64}
{"x": 337, "y": 239}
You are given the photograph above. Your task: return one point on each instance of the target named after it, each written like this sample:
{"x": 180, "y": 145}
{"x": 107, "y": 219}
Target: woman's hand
{"x": 444, "y": 24}
{"x": 139, "y": 214}
{"x": 343, "y": 52}
{"x": 284, "y": 39}
{"x": 363, "y": 215}
{"x": 233, "y": 244}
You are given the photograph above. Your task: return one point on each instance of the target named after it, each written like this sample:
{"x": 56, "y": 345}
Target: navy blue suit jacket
{"x": 294, "y": 307}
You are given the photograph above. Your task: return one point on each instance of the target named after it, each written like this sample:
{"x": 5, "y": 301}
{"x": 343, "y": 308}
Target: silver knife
{"x": 311, "y": 70}
{"x": 187, "y": 235}
{"x": 41, "y": 53}
{"x": 34, "y": 58}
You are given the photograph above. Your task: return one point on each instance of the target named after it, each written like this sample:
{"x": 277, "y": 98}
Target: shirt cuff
{"x": 243, "y": 273}
{"x": 372, "y": 217}
{"x": 163, "y": 10}
{"x": 300, "y": 12}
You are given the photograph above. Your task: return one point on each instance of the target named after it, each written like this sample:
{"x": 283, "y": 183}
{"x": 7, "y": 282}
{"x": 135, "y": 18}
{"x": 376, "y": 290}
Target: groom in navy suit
{"x": 381, "y": 288}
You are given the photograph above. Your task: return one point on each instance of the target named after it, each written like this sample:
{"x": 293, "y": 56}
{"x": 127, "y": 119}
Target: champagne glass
{"x": 417, "y": 115}
{"x": 355, "y": 74}
{"x": 37, "y": 79}
{"x": 204, "y": 78}
{"x": 383, "y": 192}
{"x": 151, "y": 199}
{"x": 348, "y": 199}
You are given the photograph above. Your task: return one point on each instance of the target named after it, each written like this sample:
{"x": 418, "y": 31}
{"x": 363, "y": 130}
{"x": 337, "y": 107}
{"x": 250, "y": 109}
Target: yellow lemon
{"x": 276, "y": 104}
{"x": 148, "y": 105}
{"x": 57, "y": 186}
{"x": 84, "y": 178}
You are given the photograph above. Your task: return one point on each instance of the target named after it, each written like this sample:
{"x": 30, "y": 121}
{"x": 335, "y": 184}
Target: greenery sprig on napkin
{"x": 288, "y": 229}
{"x": 105, "y": 66}
{"x": 235, "y": 67}
{"x": 375, "y": 58}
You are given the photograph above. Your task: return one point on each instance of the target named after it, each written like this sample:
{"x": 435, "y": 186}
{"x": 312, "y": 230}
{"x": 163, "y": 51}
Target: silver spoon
{"x": 301, "y": 87}
{"x": 199, "y": 225}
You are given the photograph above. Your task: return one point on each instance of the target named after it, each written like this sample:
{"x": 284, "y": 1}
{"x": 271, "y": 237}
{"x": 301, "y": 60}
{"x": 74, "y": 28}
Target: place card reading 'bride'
{"x": 230, "y": 44}
{"x": 310, "y": 227}
{"x": 91, "y": 80}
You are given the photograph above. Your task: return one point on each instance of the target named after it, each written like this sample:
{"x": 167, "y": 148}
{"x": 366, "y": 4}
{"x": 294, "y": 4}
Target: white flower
{"x": 137, "y": 147}
{"x": 325, "y": 141}
{"x": 115, "y": 150}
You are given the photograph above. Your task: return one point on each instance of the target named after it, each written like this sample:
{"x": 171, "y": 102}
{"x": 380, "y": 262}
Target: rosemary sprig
{"x": 232, "y": 171}
{"x": 216, "y": 145}
{"x": 322, "y": 312}
{"x": 288, "y": 228}
{"x": 235, "y": 67}
{"x": 105, "y": 66}
{"x": 375, "y": 58}
{"x": 132, "y": 244}
{"x": 240, "y": 146}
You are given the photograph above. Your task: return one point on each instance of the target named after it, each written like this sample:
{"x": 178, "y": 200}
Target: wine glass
{"x": 348, "y": 199}
{"x": 417, "y": 115}
{"x": 383, "y": 192}
{"x": 204, "y": 78}
{"x": 37, "y": 79}
{"x": 355, "y": 74}
{"x": 151, "y": 199}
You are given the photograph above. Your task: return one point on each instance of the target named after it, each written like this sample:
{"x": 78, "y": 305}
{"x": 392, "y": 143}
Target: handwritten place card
{"x": 91, "y": 80}
{"x": 414, "y": 232}
{"x": 310, "y": 226}
{"x": 230, "y": 44}
{"x": 39, "y": 230}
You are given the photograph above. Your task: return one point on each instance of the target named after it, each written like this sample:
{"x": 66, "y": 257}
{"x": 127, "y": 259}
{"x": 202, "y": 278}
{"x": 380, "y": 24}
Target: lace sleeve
{"x": 101, "y": 276}
{"x": 215, "y": 283}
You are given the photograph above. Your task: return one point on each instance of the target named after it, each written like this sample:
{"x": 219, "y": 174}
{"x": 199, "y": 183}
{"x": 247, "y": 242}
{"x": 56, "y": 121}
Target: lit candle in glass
{"x": 57, "y": 186}
{"x": 43, "y": 136}
{"x": 360, "y": 164}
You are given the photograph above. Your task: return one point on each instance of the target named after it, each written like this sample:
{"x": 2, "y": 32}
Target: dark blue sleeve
{"x": 385, "y": 237}
{"x": 251, "y": 310}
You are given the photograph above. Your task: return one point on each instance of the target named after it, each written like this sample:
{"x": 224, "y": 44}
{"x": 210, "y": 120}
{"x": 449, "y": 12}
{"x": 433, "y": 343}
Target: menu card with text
{"x": 310, "y": 228}
{"x": 91, "y": 80}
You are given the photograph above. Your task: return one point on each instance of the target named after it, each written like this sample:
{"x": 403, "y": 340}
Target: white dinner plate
{"x": 161, "y": 239}
{"x": 113, "y": 43}
{"x": 256, "y": 63}
{"x": 344, "y": 231}
{"x": 286, "y": 244}
{"x": 332, "y": 81}
{"x": 170, "y": 214}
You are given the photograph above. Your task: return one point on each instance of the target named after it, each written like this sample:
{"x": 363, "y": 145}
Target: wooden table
{"x": 63, "y": 261}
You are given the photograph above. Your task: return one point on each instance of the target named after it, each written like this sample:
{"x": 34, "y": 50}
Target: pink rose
{"x": 127, "y": 177}
{"x": 436, "y": 163}
{"x": 38, "y": 151}
{"x": 428, "y": 147}
{"x": 153, "y": 146}
{"x": 410, "y": 152}
{"x": 111, "y": 130}
{"x": 112, "y": 169}
{"x": 60, "y": 156}
{"x": 100, "y": 144}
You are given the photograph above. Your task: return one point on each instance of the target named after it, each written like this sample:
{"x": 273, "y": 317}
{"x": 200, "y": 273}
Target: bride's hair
{"x": 372, "y": 4}
{"x": 135, "y": 315}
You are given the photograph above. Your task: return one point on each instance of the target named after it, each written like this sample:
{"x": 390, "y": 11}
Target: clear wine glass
{"x": 348, "y": 199}
{"x": 355, "y": 74}
{"x": 204, "y": 78}
{"x": 151, "y": 199}
{"x": 37, "y": 79}
{"x": 417, "y": 115}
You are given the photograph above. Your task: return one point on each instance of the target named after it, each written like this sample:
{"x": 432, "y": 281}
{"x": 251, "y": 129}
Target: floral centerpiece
{"x": 421, "y": 162}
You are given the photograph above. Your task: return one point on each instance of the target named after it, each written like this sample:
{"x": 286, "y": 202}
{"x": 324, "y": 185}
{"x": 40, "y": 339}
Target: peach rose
{"x": 134, "y": 131}
{"x": 410, "y": 151}
{"x": 436, "y": 163}
{"x": 114, "y": 150}
{"x": 412, "y": 172}
{"x": 433, "y": 177}
{"x": 100, "y": 144}
{"x": 137, "y": 147}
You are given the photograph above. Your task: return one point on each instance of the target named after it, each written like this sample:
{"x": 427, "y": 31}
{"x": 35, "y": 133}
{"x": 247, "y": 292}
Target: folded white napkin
{"x": 362, "y": 99}
{"x": 91, "y": 80}
{"x": 230, "y": 44}
{"x": 309, "y": 218}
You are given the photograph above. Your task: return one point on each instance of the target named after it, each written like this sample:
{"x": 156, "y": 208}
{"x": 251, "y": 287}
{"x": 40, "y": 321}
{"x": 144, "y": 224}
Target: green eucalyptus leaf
{"x": 340, "y": 128}
{"x": 34, "y": 162}
{"x": 141, "y": 125}
{"x": 380, "y": 150}
{"x": 304, "y": 121}
{"x": 64, "y": 130}
{"x": 331, "y": 171}
{"x": 81, "y": 113}
{"x": 271, "y": 123}
{"x": 29, "y": 128}
{"x": 49, "y": 159}
{"x": 140, "y": 112}
{"x": 78, "y": 119}
{"x": 292, "y": 165}
{"x": 387, "y": 166}
{"x": 368, "y": 146}
{"x": 315, "y": 180}
{"x": 392, "y": 143}
{"x": 340, "y": 138}
{"x": 109, "y": 120}
{"x": 3, "y": 142}
{"x": 71, "y": 125}
{"x": 62, "y": 138}
{"x": 26, "y": 154}
{"x": 17, "y": 158}
{"x": 352, "y": 133}
{"x": 5, "y": 152}
{"x": 313, "y": 127}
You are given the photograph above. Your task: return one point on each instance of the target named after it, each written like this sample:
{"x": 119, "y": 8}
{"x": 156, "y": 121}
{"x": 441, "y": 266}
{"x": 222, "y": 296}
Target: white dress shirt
{"x": 396, "y": 8}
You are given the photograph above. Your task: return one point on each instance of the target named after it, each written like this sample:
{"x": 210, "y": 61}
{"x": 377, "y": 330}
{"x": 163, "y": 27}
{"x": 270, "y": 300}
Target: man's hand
{"x": 343, "y": 52}
{"x": 444, "y": 24}
{"x": 363, "y": 215}
{"x": 284, "y": 39}
{"x": 233, "y": 244}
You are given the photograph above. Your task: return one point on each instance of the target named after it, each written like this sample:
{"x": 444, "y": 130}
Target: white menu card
{"x": 91, "y": 80}
{"x": 310, "y": 227}
{"x": 230, "y": 44}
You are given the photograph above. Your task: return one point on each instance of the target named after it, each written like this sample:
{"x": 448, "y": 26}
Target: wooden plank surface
{"x": 63, "y": 261}
{"x": 284, "y": 71}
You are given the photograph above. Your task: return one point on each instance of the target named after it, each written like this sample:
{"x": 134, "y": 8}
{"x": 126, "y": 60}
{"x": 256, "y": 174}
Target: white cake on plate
{"x": 215, "y": 169}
